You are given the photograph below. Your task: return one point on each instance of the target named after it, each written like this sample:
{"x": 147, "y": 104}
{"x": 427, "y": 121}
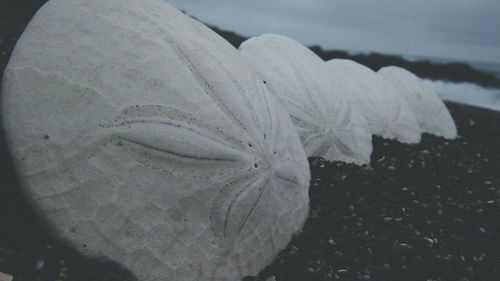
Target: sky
{"x": 460, "y": 30}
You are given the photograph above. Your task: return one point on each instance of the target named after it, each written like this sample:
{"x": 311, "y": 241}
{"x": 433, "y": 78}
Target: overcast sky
{"x": 454, "y": 29}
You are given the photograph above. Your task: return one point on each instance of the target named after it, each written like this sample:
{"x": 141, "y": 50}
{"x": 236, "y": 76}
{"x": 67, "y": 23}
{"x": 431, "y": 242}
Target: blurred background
{"x": 455, "y": 30}
{"x": 443, "y": 41}
{"x": 453, "y": 44}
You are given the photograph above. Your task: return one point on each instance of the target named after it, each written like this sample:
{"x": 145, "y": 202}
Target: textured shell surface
{"x": 386, "y": 112}
{"x": 142, "y": 136}
{"x": 328, "y": 122}
{"x": 430, "y": 111}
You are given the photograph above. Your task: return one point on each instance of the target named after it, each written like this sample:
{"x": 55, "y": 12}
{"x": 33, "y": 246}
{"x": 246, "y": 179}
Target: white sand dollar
{"x": 329, "y": 125}
{"x": 141, "y": 135}
{"x": 430, "y": 111}
{"x": 386, "y": 112}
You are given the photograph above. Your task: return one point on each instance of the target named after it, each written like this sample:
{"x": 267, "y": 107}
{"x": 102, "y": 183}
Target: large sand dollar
{"x": 386, "y": 112}
{"x": 328, "y": 123}
{"x": 142, "y": 136}
{"x": 430, "y": 111}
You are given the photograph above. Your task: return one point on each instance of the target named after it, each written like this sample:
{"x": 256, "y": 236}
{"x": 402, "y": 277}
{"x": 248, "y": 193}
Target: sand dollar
{"x": 387, "y": 113}
{"x": 141, "y": 135}
{"x": 329, "y": 124}
{"x": 430, "y": 111}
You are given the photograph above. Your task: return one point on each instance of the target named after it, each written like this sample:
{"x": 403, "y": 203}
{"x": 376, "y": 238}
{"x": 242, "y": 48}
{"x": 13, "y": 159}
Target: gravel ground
{"x": 429, "y": 211}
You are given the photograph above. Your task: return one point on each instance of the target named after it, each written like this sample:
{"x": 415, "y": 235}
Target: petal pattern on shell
{"x": 328, "y": 122}
{"x": 141, "y": 135}
{"x": 430, "y": 111}
{"x": 387, "y": 113}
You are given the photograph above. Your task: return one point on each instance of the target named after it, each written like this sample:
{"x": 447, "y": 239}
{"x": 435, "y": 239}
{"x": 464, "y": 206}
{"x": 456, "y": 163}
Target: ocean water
{"x": 488, "y": 67}
{"x": 466, "y": 93}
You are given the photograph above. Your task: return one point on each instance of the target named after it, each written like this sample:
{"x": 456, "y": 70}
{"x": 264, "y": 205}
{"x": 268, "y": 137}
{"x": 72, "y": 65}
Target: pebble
{"x": 405, "y": 246}
{"x": 6, "y": 277}
{"x": 39, "y": 264}
{"x": 429, "y": 241}
{"x": 482, "y": 230}
{"x": 272, "y": 278}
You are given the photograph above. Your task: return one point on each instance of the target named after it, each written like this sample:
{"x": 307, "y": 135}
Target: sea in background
{"x": 488, "y": 67}
{"x": 466, "y": 93}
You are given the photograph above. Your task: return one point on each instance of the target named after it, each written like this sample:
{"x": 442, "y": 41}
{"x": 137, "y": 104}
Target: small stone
{"x": 387, "y": 219}
{"x": 6, "y": 277}
{"x": 272, "y": 278}
{"x": 482, "y": 230}
{"x": 370, "y": 251}
{"x": 342, "y": 270}
{"x": 386, "y": 266}
{"x": 331, "y": 242}
{"x": 429, "y": 241}
{"x": 39, "y": 264}
{"x": 405, "y": 246}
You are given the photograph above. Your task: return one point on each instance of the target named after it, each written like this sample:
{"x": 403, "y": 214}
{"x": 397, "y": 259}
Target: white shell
{"x": 141, "y": 135}
{"x": 429, "y": 109}
{"x": 386, "y": 112}
{"x": 329, "y": 125}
